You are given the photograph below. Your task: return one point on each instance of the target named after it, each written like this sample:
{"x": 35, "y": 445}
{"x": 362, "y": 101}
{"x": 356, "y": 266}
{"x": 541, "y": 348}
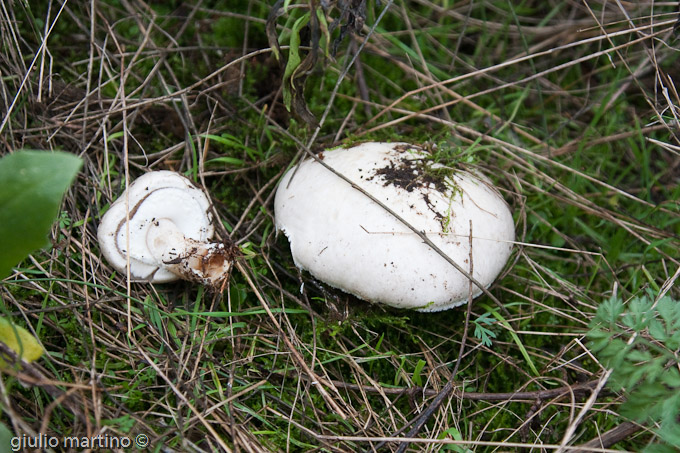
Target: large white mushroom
{"x": 168, "y": 233}
{"x": 347, "y": 240}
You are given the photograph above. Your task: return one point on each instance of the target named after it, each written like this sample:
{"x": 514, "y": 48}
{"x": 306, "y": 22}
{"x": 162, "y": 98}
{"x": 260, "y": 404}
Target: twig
{"x": 361, "y": 79}
{"x": 531, "y": 396}
{"x": 477, "y": 396}
{"x": 420, "y": 421}
{"x": 571, "y": 429}
{"x": 610, "y": 437}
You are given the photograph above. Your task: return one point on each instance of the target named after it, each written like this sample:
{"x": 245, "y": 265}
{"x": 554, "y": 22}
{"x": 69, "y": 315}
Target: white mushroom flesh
{"x": 348, "y": 241}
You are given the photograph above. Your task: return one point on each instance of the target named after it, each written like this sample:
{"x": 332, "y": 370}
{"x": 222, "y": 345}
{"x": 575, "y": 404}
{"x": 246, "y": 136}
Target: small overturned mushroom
{"x": 170, "y": 227}
{"x": 347, "y": 240}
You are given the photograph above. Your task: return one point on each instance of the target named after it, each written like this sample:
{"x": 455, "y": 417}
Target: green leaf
{"x": 456, "y": 435}
{"x": 657, "y": 331}
{"x": 20, "y": 341}
{"x": 609, "y": 311}
{"x": 481, "y": 332}
{"x": 670, "y": 432}
{"x": 5, "y": 438}
{"x": 640, "y": 311}
{"x": 293, "y": 60}
{"x": 228, "y": 161}
{"x": 637, "y": 355}
{"x": 671, "y": 378}
{"x": 659, "y": 448}
{"x": 644, "y": 365}
{"x": 417, "y": 379}
{"x": 669, "y": 310}
{"x": 514, "y": 336}
{"x": 32, "y": 184}
{"x": 124, "y": 423}
{"x": 323, "y": 26}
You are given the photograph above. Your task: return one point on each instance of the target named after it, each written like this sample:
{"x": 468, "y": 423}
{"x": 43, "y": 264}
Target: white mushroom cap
{"x": 348, "y": 241}
{"x": 169, "y": 229}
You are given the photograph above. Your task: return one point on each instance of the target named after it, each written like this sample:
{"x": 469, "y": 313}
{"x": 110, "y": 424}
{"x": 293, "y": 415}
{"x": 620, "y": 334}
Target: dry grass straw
{"x": 128, "y": 358}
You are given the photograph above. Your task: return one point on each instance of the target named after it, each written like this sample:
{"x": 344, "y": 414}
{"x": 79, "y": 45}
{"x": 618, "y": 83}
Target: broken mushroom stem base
{"x": 208, "y": 263}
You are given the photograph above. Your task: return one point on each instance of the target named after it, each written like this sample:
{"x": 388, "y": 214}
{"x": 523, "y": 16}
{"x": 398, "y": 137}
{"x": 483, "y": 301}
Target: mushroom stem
{"x": 203, "y": 262}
